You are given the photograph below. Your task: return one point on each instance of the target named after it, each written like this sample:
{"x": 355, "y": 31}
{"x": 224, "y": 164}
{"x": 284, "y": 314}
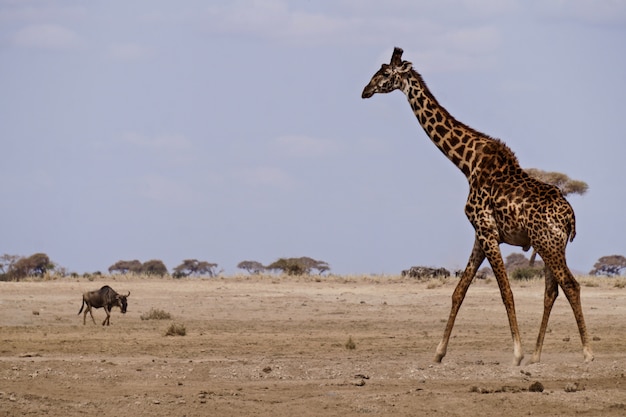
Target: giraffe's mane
{"x": 503, "y": 147}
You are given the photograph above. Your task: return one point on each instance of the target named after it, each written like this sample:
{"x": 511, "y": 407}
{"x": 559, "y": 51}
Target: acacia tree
{"x": 298, "y": 266}
{"x": 194, "y": 267}
{"x": 565, "y": 184}
{"x": 125, "y": 267}
{"x": 517, "y": 265}
{"x": 35, "y": 265}
{"x": 253, "y": 267}
{"x": 7, "y": 261}
{"x": 609, "y": 265}
{"x": 154, "y": 267}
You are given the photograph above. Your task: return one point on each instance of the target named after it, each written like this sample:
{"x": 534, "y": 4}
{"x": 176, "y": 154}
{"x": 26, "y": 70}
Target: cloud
{"x": 275, "y": 20}
{"x": 23, "y": 11}
{"x": 588, "y": 11}
{"x": 47, "y": 36}
{"x": 450, "y": 37}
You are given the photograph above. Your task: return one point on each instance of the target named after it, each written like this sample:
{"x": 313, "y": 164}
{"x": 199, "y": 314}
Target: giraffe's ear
{"x": 404, "y": 66}
{"x": 396, "y": 57}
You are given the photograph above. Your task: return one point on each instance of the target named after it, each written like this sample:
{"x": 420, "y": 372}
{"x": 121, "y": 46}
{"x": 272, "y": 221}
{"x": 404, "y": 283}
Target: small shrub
{"x": 528, "y": 273}
{"x": 156, "y": 314}
{"x": 350, "y": 345}
{"x": 176, "y": 329}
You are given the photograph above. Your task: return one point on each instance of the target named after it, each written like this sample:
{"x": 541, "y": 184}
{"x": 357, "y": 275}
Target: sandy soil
{"x": 270, "y": 346}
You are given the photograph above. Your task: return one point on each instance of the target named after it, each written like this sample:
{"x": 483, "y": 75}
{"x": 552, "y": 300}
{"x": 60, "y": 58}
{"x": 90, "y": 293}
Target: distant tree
{"x": 253, "y": 267}
{"x": 517, "y": 266}
{"x": 125, "y": 267}
{"x": 311, "y": 263}
{"x": 609, "y": 265}
{"x": 35, "y": 265}
{"x": 298, "y": 266}
{"x": 565, "y": 184}
{"x": 194, "y": 267}
{"x": 154, "y": 267}
{"x": 7, "y": 261}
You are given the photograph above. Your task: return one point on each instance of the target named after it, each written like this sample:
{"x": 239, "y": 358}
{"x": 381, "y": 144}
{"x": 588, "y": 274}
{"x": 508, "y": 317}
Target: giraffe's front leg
{"x": 476, "y": 259}
{"x": 492, "y": 251}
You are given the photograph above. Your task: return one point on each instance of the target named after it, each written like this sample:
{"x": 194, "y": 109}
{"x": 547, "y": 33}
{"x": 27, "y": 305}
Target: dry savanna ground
{"x": 280, "y": 347}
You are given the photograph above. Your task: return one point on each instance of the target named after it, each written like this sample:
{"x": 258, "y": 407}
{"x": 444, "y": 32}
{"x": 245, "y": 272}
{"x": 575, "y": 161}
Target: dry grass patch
{"x": 176, "y": 329}
{"x": 156, "y": 314}
{"x": 350, "y": 345}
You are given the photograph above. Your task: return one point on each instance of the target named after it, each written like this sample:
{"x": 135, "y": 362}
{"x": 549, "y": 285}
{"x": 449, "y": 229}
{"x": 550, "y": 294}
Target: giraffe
{"x": 505, "y": 205}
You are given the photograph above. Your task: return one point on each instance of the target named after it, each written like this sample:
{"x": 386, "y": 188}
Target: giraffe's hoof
{"x": 534, "y": 359}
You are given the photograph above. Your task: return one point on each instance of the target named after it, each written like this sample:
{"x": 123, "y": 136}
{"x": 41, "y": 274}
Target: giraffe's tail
{"x": 572, "y": 228}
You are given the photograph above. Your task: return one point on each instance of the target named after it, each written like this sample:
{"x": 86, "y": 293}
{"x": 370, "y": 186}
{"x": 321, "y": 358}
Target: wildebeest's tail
{"x": 82, "y": 306}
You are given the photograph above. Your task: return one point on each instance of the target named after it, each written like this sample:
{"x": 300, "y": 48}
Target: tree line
{"x": 14, "y": 267}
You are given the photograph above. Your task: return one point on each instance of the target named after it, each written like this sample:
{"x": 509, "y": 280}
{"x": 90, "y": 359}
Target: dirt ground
{"x": 277, "y": 346}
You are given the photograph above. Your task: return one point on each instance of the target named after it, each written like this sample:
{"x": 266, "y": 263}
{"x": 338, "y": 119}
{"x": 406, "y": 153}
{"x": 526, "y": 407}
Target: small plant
{"x": 156, "y": 314}
{"x": 620, "y": 283}
{"x": 522, "y": 274}
{"x": 176, "y": 329}
{"x": 350, "y": 345}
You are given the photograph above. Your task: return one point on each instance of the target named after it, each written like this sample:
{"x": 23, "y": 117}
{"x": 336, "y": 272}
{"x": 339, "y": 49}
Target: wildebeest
{"x": 104, "y": 297}
{"x": 425, "y": 272}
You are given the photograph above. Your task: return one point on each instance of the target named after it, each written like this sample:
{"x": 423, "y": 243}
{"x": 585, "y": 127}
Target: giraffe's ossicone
{"x": 505, "y": 205}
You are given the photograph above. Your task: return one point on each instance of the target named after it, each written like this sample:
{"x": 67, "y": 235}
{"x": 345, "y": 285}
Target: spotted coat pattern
{"x": 504, "y": 205}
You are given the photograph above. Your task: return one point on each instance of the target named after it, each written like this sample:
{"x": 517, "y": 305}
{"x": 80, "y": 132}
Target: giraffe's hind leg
{"x": 551, "y": 292}
{"x": 476, "y": 259}
{"x": 555, "y": 261}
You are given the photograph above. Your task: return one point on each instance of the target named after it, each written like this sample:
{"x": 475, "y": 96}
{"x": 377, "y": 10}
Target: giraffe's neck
{"x": 460, "y": 143}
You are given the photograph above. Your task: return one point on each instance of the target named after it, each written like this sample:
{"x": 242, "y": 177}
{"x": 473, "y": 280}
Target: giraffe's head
{"x": 389, "y": 77}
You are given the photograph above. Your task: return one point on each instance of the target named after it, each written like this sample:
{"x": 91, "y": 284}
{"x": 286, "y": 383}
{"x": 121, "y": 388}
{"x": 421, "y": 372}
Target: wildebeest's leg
{"x": 88, "y": 309}
{"x": 108, "y": 311}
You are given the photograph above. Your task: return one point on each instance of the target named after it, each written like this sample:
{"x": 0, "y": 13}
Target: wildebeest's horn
{"x": 127, "y": 295}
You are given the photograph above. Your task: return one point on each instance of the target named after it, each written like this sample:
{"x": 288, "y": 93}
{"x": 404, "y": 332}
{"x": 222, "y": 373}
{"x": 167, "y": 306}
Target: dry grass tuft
{"x": 156, "y": 314}
{"x": 350, "y": 345}
{"x": 176, "y": 329}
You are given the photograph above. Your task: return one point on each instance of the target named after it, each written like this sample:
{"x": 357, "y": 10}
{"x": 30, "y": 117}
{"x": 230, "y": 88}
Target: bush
{"x": 176, "y": 329}
{"x": 527, "y": 273}
{"x": 156, "y": 314}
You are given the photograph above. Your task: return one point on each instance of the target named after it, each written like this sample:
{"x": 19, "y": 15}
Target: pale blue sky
{"x": 234, "y": 130}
